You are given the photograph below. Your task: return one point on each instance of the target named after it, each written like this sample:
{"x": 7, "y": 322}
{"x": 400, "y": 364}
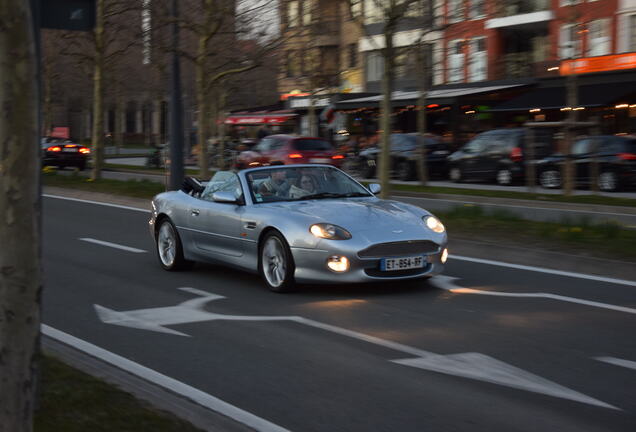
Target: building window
{"x": 355, "y": 8}
{"x": 455, "y": 11}
{"x": 373, "y": 13}
{"x": 292, "y": 13}
{"x": 293, "y": 64}
{"x": 308, "y": 6}
{"x": 478, "y": 67}
{"x": 477, "y": 9}
{"x": 375, "y": 66}
{"x": 570, "y": 42}
{"x": 353, "y": 55}
{"x": 568, "y": 2}
{"x": 599, "y": 41}
{"x": 456, "y": 61}
{"x": 632, "y": 33}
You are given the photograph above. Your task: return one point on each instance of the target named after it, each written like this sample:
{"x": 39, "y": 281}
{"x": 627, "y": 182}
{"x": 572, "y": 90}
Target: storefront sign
{"x": 263, "y": 119}
{"x": 598, "y": 64}
{"x": 305, "y": 102}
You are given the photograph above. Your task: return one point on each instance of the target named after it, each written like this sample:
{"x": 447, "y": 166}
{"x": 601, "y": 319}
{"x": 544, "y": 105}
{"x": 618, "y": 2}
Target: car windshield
{"x": 302, "y": 183}
{"x": 311, "y": 144}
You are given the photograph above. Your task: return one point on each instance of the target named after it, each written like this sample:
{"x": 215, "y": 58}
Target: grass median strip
{"x": 468, "y": 221}
{"x": 71, "y": 400}
{"x": 575, "y": 199}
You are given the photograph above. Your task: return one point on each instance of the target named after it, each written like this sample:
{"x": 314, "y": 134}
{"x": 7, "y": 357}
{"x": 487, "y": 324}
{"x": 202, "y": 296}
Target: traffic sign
{"x": 67, "y": 14}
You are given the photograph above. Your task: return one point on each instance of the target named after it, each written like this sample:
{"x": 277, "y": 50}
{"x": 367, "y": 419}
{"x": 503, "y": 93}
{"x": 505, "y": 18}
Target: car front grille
{"x": 402, "y": 248}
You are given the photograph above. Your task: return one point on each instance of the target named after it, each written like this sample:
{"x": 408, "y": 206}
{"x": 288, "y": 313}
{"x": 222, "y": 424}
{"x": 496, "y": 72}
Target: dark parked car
{"x": 498, "y": 155}
{"x": 404, "y": 157}
{"x": 289, "y": 149}
{"x": 64, "y": 153}
{"x": 615, "y": 156}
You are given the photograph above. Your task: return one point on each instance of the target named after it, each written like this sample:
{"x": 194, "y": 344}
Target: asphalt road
{"x": 383, "y": 357}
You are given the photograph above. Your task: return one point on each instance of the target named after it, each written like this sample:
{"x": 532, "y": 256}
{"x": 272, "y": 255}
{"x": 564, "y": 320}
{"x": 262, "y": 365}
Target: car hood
{"x": 370, "y": 218}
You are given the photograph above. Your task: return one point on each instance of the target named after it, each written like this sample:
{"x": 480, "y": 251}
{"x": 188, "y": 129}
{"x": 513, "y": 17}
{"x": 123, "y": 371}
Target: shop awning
{"x": 441, "y": 96}
{"x": 258, "y": 119}
{"x": 594, "y": 95}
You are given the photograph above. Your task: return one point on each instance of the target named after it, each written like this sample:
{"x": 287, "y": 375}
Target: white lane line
{"x": 96, "y": 203}
{"x": 446, "y": 283}
{"x": 113, "y": 245}
{"x": 475, "y": 203}
{"x": 164, "y": 381}
{"x": 545, "y": 270}
{"x": 618, "y": 362}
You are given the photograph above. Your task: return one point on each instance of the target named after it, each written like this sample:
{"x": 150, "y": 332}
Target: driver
{"x": 276, "y": 184}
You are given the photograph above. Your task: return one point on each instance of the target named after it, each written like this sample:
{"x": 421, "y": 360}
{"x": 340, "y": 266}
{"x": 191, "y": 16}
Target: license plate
{"x": 70, "y": 150}
{"x": 318, "y": 160}
{"x": 406, "y": 263}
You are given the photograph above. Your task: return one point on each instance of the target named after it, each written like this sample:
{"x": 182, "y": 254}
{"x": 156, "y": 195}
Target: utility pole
{"x": 176, "y": 109}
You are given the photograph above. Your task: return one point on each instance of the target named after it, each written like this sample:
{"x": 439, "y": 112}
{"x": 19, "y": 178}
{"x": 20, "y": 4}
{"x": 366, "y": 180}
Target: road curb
{"x": 156, "y": 396}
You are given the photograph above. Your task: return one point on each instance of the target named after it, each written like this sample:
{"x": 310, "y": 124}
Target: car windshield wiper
{"x": 333, "y": 195}
{"x": 320, "y": 195}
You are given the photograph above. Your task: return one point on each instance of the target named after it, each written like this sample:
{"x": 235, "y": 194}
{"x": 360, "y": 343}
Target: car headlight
{"x": 434, "y": 224}
{"x": 329, "y": 231}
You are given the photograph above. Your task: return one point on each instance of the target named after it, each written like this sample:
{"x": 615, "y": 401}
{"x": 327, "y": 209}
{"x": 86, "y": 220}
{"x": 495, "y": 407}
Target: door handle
{"x": 195, "y": 212}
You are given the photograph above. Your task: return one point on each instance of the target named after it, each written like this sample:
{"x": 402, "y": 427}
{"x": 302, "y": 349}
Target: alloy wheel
{"x": 607, "y": 181}
{"x": 550, "y": 179}
{"x": 274, "y": 262}
{"x": 167, "y": 244}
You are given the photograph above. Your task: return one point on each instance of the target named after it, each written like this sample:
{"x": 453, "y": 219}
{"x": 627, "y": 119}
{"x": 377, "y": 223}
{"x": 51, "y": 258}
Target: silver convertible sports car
{"x": 296, "y": 223}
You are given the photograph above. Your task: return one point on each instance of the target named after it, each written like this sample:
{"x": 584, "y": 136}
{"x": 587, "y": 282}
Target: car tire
{"x": 276, "y": 263}
{"x": 608, "y": 181}
{"x": 504, "y": 177}
{"x": 169, "y": 247}
{"x": 550, "y": 178}
{"x": 455, "y": 174}
{"x": 405, "y": 170}
{"x": 81, "y": 166}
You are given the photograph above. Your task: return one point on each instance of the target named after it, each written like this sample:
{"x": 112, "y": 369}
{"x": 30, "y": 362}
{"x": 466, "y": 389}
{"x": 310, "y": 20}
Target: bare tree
{"x": 116, "y": 30}
{"x": 388, "y": 14}
{"x": 20, "y": 214}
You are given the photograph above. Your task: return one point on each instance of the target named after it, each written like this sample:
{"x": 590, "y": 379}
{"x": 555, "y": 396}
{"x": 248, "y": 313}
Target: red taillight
{"x": 627, "y": 156}
{"x": 84, "y": 150}
{"x": 337, "y": 157}
{"x": 54, "y": 149}
{"x": 516, "y": 155}
{"x": 295, "y": 156}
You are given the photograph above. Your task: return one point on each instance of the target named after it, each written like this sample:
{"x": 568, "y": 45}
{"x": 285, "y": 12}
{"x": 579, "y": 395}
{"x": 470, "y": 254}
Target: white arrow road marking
{"x": 469, "y": 365}
{"x": 484, "y": 368}
{"x": 447, "y": 283}
{"x": 113, "y": 245}
{"x": 618, "y": 362}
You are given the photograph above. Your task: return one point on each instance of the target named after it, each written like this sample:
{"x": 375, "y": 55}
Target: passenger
{"x": 305, "y": 185}
{"x": 276, "y": 184}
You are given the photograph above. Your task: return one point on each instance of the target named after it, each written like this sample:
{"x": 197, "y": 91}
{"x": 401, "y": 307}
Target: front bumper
{"x": 311, "y": 265}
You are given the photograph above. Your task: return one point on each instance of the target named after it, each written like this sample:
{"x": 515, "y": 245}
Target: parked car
{"x": 404, "y": 157}
{"x": 498, "y": 155}
{"x": 267, "y": 220}
{"x": 289, "y": 149}
{"x": 64, "y": 153}
{"x": 615, "y": 156}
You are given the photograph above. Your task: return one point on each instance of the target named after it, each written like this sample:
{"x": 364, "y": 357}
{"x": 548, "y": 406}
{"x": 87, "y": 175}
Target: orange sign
{"x": 598, "y": 64}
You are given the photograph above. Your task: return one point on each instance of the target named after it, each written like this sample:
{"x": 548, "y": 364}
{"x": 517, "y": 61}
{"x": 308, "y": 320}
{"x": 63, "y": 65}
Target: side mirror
{"x": 224, "y": 197}
{"x": 374, "y": 188}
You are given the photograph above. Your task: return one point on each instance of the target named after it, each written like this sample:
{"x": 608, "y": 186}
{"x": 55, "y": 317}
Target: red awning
{"x": 257, "y": 119}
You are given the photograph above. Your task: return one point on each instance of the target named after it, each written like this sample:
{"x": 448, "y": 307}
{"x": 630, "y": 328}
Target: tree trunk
{"x": 120, "y": 118}
{"x": 20, "y": 287}
{"x": 311, "y": 113}
{"x": 98, "y": 93}
{"x": 572, "y": 102}
{"x": 386, "y": 115}
{"x": 46, "y": 87}
{"x": 202, "y": 106}
{"x": 221, "y": 106}
{"x": 422, "y": 164}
